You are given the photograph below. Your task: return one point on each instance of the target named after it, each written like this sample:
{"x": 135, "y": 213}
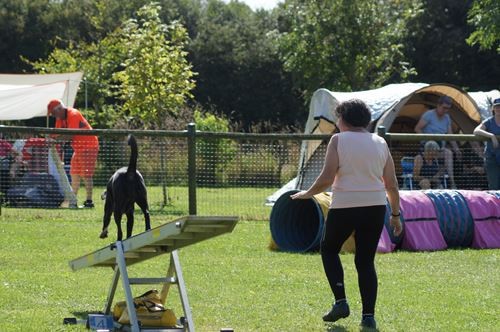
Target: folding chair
{"x": 407, "y": 176}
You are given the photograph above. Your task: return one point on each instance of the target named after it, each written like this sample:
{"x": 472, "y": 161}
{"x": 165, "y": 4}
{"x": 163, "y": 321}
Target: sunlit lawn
{"x": 234, "y": 280}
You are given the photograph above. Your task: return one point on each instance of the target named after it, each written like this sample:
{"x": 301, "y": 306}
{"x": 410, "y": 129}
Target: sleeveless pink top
{"x": 358, "y": 182}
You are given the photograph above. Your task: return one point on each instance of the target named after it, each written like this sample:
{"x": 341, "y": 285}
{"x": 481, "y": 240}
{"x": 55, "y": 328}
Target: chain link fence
{"x": 189, "y": 172}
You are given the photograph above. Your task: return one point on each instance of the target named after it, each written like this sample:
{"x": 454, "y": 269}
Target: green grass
{"x": 247, "y": 203}
{"x": 235, "y": 281}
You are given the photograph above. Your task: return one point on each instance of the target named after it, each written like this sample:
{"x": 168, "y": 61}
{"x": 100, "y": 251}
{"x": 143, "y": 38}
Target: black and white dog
{"x": 125, "y": 188}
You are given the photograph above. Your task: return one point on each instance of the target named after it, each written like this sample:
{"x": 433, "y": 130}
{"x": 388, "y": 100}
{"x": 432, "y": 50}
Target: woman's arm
{"x": 391, "y": 187}
{"x": 327, "y": 175}
{"x": 480, "y": 130}
{"x": 420, "y": 125}
{"x": 417, "y": 167}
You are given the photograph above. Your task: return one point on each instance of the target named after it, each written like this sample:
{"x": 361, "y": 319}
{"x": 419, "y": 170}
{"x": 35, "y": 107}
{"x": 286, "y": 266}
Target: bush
{"x": 252, "y": 168}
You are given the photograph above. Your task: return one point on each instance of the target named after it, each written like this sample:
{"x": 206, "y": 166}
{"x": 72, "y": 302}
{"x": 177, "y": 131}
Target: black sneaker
{"x": 88, "y": 204}
{"x": 368, "y": 322}
{"x": 338, "y": 311}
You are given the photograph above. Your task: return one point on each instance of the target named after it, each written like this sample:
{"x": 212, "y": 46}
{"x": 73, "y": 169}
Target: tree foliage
{"x": 240, "y": 73}
{"x": 345, "y": 45}
{"x": 156, "y": 79}
{"x": 257, "y": 68}
{"x": 484, "y": 16}
{"x": 139, "y": 70}
{"x": 440, "y": 53}
{"x": 215, "y": 152}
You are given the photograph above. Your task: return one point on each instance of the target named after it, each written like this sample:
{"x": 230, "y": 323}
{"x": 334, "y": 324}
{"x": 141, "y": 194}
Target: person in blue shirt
{"x": 490, "y": 128}
{"x": 438, "y": 121}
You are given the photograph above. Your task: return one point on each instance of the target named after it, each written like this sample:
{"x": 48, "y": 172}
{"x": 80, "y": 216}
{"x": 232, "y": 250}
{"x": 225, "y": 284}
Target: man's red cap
{"x": 53, "y": 104}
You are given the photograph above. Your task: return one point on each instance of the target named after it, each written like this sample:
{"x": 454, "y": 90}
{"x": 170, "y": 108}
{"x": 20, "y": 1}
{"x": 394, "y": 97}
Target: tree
{"x": 345, "y": 45}
{"x": 138, "y": 70}
{"x": 25, "y": 29}
{"x": 214, "y": 153}
{"x": 438, "y": 49}
{"x": 98, "y": 61}
{"x": 484, "y": 16}
{"x": 240, "y": 73}
{"x": 156, "y": 79}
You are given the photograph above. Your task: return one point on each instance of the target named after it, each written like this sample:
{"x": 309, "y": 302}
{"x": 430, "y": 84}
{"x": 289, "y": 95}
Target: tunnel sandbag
{"x": 297, "y": 225}
{"x": 454, "y": 218}
{"x": 485, "y": 211}
{"x": 421, "y": 227}
{"x": 385, "y": 244}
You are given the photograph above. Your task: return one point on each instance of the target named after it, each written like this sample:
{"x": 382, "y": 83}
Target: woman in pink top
{"x": 359, "y": 168}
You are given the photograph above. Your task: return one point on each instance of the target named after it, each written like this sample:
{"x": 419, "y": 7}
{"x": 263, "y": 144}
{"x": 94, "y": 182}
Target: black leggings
{"x": 367, "y": 222}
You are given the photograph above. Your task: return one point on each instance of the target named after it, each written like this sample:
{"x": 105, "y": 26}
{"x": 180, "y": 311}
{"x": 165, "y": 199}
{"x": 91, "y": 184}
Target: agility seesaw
{"x": 167, "y": 238}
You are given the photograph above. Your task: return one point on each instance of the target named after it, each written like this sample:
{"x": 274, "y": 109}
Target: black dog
{"x": 125, "y": 188}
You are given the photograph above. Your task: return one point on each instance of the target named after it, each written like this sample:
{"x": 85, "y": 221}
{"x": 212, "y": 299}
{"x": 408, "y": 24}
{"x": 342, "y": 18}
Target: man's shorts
{"x": 83, "y": 162}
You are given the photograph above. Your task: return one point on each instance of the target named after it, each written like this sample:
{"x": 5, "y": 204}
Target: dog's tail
{"x": 132, "y": 164}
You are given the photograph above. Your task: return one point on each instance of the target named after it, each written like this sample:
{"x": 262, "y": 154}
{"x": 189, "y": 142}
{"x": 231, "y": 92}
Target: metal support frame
{"x": 122, "y": 266}
{"x": 174, "y": 276}
{"x": 167, "y": 238}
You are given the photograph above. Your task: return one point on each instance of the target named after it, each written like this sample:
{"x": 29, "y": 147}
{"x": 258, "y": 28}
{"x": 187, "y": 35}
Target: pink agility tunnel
{"x": 385, "y": 244}
{"x": 485, "y": 210}
{"x": 421, "y": 227}
{"x": 432, "y": 220}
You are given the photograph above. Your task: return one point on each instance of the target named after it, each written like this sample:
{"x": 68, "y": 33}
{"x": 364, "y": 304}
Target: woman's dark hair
{"x": 354, "y": 112}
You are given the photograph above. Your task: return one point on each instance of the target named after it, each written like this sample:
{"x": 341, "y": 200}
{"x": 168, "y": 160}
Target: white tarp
{"x": 25, "y": 96}
{"x": 324, "y": 101}
{"x": 484, "y": 100}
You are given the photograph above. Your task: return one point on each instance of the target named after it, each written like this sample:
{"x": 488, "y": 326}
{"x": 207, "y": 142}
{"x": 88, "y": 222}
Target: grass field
{"x": 235, "y": 281}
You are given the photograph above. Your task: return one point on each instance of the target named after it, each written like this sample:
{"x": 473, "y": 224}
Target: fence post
{"x": 163, "y": 174}
{"x": 381, "y": 131}
{"x": 191, "y": 130}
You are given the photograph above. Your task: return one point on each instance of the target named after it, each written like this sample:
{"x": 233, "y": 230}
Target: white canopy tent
{"x": 484, "y": 100}
{"x": 25, "y": 96}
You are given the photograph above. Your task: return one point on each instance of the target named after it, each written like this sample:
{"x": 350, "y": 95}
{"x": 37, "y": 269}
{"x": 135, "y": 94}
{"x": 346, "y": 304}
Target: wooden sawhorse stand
{"x": 167, "y": 238}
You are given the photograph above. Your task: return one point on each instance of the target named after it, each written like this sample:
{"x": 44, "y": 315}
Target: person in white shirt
{"x": 360, "y": 170}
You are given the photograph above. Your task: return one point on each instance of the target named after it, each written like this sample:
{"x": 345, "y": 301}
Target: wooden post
{"x": 191, "y": 130}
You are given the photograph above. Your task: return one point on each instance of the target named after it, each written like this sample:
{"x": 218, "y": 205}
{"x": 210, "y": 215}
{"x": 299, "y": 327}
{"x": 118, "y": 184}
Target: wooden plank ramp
{"x": 163, "y": 239}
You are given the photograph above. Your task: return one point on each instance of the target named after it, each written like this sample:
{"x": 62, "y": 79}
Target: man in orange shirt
{"x": 85, "y": 148}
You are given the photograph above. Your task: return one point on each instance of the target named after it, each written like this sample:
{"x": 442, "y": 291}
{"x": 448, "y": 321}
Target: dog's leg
{"x": 108, "y": 210}
{"x": 118, "y": 221}
{"x": 130, "y": 221}
{"x": 143, "y": 204}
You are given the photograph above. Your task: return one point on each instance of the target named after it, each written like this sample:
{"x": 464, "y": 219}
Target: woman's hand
{"x": 396, "y": 224}
{"x": 301, "y": 195}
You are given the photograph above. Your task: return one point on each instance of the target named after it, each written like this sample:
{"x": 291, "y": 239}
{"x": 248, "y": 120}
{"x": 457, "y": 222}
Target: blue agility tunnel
{"x": 454, "y": 217}
{"x": 297, "y": 225}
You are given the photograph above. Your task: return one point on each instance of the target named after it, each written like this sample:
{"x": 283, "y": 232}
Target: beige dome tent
{"x": 404, "y": 115}
{"x": 397, "y": 107}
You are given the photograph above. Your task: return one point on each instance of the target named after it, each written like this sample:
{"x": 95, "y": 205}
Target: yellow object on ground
{"x": 150, "y": 311}
{"x": 324, "y": 200}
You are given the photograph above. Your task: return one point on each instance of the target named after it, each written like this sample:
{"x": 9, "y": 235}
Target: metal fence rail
{"x": 190, "y": 172}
